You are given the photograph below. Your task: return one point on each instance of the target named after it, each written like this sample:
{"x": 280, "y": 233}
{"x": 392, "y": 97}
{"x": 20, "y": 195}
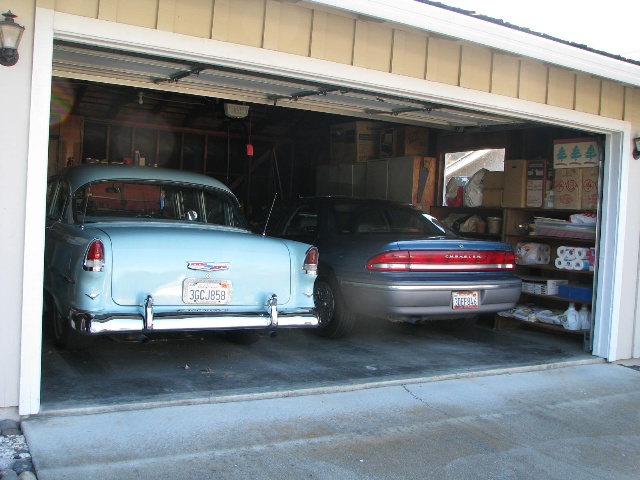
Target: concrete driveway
{"x": 572, "y": 422}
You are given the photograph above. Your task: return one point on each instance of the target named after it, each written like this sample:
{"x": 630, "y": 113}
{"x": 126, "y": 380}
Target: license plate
{"x": 465, "y": 300}
{"x": 206, "y": 292}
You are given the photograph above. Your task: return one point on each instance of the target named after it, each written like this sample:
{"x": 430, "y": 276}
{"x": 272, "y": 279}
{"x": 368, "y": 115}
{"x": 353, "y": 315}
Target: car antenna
{"x": 266, "y": 224}
{"x": 86, "y": 204}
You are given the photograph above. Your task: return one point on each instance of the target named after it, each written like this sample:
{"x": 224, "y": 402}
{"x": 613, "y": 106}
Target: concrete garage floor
{"x": 116, "y": 373}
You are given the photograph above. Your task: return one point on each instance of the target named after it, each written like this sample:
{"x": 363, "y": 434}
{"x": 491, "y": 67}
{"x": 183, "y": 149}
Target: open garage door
{"x": 194, "y": 116}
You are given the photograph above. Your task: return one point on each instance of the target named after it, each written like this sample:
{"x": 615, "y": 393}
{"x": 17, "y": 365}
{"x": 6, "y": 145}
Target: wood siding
{"x": 347, "y": 39}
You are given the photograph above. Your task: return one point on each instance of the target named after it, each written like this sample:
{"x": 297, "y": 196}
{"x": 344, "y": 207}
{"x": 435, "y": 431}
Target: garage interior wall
{"x": 343, "y": 38}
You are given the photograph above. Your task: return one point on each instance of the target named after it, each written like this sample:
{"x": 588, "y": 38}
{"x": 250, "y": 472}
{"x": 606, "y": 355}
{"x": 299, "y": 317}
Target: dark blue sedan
{"x": 385, "y": 259}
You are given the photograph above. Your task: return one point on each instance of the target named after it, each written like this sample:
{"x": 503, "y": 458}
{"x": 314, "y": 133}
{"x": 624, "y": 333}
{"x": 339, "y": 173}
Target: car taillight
{"x": 441, "y": 261}
{"x": 310, "y": 265}
{"x": 94, "y": 258}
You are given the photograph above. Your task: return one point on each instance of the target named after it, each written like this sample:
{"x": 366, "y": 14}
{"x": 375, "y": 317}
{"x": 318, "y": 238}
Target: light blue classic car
{"x": 142, "y": 249}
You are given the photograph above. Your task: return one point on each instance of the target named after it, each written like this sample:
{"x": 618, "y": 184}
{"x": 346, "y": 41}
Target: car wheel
{"x": 456, "y": 324}
{"x": 64, "y": 336}
{"x": 335, "y": 319}
{"x": 242, "y": 337}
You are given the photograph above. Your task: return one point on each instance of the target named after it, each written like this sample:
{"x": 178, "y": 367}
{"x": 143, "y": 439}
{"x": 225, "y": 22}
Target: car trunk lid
{"x": 176, "y": 256}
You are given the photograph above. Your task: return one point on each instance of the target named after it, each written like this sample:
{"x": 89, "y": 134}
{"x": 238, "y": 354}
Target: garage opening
{"x": 326, "y": 141}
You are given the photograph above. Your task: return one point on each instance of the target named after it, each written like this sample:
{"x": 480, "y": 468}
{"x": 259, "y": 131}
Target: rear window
{"x": 364, "y": 218}
{"x": 140, "y": 200}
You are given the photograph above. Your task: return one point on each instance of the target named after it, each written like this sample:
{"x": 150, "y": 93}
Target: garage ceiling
{"x": 192, "y": 93}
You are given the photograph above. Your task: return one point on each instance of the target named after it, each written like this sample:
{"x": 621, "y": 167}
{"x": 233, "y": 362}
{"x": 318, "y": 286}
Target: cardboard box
{"x": 493, "y": 180}
{"x": 575, "y": 153}
{"x": 564, "y": 229}
{"x": 590, "y": 194}
{"x": 492, "y": 197}
{"x": 567, "y": 188}
{"x": 536, "y": 183}
{"x": 404, "y": 141}
{"x": 388, "y": 146}
{"x": 411, "y": 140}
{"x": 541, "y": 285}
{"x": 354, "y": 142}
{"x": 579, "y": 293}
{"x": 515, "y": 182}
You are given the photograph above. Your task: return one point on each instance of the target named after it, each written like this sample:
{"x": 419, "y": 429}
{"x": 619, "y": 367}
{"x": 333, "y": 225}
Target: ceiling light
{"x": 233, "y": 110}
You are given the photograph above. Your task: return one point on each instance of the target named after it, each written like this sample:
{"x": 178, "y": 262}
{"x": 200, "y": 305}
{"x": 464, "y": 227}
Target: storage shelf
{"x": 551, "y": 268}
{"x": 551, "y": 327}
{"x": 541, "y": 238}
{"x": 485, "y": 236}
{"x": 555, "y": 297}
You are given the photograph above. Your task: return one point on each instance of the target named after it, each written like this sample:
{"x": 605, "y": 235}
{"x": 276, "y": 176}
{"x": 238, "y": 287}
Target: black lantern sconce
{"x": 10, "y": 36}
{"x": 636, "y": 148}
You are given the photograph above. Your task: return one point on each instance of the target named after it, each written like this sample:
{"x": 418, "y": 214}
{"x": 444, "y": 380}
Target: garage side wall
{"x": 14, "y": 125}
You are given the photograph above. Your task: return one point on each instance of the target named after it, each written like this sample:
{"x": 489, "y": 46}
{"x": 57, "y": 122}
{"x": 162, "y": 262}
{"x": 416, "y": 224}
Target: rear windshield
{"x": 355, "y": 218}
{"x": 117, "y": 200}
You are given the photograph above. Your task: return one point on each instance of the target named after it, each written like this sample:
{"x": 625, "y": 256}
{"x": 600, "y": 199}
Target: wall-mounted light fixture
{"x": 636, "y": 148}
{"x": 10, "y": 36}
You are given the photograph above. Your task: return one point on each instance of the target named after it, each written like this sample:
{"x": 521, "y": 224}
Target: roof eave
{"x": 450, "y": 23}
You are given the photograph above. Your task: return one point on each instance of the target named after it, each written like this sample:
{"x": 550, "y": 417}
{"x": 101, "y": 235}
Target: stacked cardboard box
{"x": 515, "y": 183}
{"x": 404, "y": 141}
{"x": 576, "y": 173}
{"x": 492, "y": 189}
{"x": 354, "y": 142}
{"x": 537, "y": 182}
{"x": 576, "y": 188}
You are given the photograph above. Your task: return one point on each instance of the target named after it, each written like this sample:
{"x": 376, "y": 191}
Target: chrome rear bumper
{"x": 147, "y": 320}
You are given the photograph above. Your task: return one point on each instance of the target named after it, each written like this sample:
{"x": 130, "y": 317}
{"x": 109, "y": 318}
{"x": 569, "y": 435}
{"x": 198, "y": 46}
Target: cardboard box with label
{"x": 567, "y": 191}
{"x": 404, "y": 141}
{"x": 354, "y": 142}
{"x": 590, "y": 194}
{"x": 536, "y": 183}
{"x": 575, "y": 153}
{"x": 576, "y": 188}
{"x": 515, "y": 183}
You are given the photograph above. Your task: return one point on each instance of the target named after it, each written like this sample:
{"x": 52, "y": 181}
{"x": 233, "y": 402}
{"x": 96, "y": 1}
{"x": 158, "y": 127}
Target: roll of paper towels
{"x": 580, "y": 264}
{"x": 581, "y": 253}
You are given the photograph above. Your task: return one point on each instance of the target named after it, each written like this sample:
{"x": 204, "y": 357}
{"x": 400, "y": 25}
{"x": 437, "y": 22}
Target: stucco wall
{"x": 14, "y": 125}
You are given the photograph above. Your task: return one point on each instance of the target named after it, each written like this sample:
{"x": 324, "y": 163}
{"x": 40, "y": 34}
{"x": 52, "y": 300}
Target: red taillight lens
{"x": 442, "y": 261}
{"x": 311, "y": 261}
{"x": 94, "y": 259}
